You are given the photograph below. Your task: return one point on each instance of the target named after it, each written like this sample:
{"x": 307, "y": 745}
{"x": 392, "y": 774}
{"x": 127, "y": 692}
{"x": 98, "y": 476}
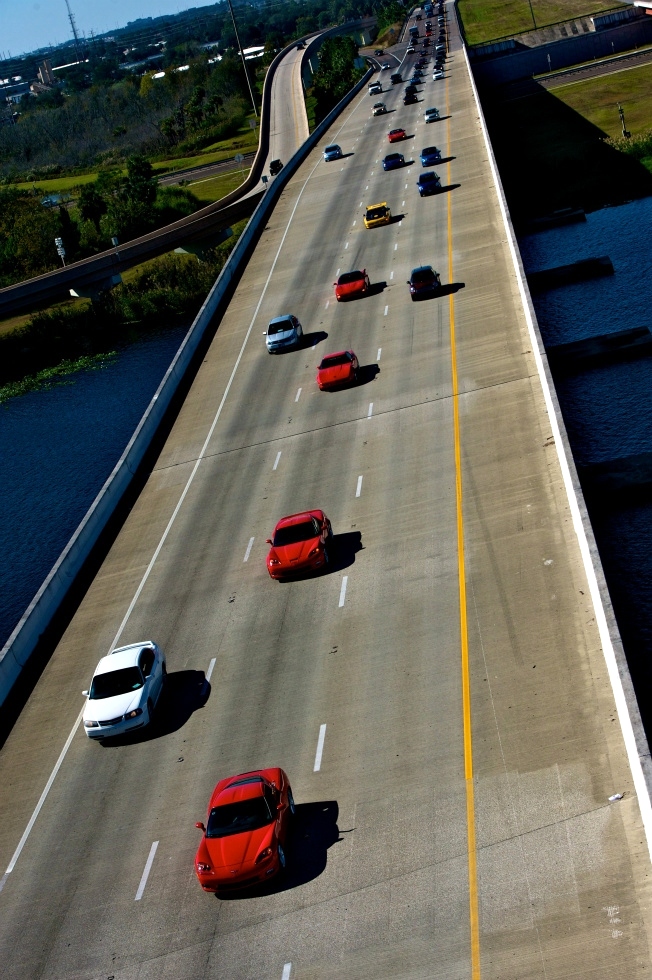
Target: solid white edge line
{"x": 37, "y": 808}
{"x": 287, "y": 969}
{"x": 298, "y": 394}
{"x": 146, "y": 871}
{"x": 209, "y": 672}
{"x": 345, "y": 579}
{"x": 320, "y": 748}
{"x": 148, "y": 570}
{"x": 634, "y": 756}
{"x": 248, "y": 551}
{"x": 358, "y": 489}
{"x": 276, "y": 461}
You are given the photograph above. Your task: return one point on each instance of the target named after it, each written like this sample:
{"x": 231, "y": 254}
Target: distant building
{"x": 13, "y": 91}
{"x": 45, "y": 74}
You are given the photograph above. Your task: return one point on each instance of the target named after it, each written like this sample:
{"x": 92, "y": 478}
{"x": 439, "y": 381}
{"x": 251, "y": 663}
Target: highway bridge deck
{"x": 458, "y": 824}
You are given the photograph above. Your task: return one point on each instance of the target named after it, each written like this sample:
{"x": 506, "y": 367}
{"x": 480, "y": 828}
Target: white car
{"x": 431, "y": 115}
{"x": 126, "y": 687}
{"x": 283, "y": 332}
{"x": 438, "y": 73}
{"x": 385, "y": 67}
{"x": 375, "y": 88}
{"x": 379, "y": 108}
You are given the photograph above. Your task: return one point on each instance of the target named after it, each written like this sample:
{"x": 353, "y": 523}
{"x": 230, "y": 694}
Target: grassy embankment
{"x": 485, "y": 20}
{"x": 553, "y": 149}
{"x": 245, "y": 141}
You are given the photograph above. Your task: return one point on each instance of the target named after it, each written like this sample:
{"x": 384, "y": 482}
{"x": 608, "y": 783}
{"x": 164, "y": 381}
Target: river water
{"x": 57, "y": 447}
{"x": 608, "y": 410}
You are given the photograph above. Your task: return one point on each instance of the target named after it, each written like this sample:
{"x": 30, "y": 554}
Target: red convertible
{"x": 351, "y": 284}
{"x": 300, "y": 544}
{"x": 246, "y": 831}
{"x": 395, "y": 135}
{"x": 337, "y": 370}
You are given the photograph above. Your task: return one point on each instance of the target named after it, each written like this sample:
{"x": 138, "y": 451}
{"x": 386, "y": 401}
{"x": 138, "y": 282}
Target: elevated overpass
{"x": 457, "y": 822}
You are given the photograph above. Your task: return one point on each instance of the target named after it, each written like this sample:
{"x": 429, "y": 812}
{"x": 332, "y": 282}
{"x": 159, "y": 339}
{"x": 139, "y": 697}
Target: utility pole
{"x": 621, "y": 113}
{"x": 244, "y": 64}
{"x": 532, "y": 14}
{"x": 75, "y": 32}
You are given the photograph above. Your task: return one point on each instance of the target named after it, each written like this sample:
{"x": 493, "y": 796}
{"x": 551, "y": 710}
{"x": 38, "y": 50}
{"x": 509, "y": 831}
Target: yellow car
{"x": 377, "y": 214}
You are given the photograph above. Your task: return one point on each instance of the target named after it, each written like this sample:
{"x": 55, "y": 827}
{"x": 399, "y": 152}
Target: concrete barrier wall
{"x": 563, "y": 53}
{"x": 638, "y": 752}
{"x": 47, "y": 601}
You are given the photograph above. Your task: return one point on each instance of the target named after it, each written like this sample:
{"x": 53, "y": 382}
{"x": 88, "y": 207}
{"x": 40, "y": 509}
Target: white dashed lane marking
{"x": 276, "y": 461}
{"x": 380, "y": 350}
{"x": 386, "y": 309}
{"x": 358, "y": 489}
{"x": 320, "y": 743}
{"x": 211, "y": 666}
{"x": 248, "y": 551}
{"x": 371, "y": 410}
{"x": 148, "y": 868}
{"x": 297, "y": 396}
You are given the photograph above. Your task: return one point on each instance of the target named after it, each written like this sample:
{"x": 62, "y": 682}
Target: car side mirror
{"x": 264, "y": 333}
{"x": 268, "y": 541}
{"x": 407, "y": 282}
{"x": 85, "y": 694}
{"x": 200, "y": 826}
{"x": 280, "y": 807}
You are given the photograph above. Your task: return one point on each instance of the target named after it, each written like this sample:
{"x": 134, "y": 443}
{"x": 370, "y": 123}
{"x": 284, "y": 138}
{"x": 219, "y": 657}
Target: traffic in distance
{"x": 248, "y": 823}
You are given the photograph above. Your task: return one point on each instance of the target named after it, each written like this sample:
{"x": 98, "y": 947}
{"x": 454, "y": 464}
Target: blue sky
{"x": 26, "y": 25}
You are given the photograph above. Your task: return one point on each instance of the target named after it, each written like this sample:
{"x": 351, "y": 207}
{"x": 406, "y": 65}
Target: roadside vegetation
{"x": 52, "y": 344}
{"x": 336, "y": 75}
{"x": 485, "y": 20}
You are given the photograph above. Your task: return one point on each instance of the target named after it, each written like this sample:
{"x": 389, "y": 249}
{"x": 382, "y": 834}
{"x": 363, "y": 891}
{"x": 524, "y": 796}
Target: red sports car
{"x": 395, "y": 135}
{"x": 355, "y": 283}
{"x": 300, "y": 544}
{"x": 337, "y": 370}
{"x": 246, "y": 831}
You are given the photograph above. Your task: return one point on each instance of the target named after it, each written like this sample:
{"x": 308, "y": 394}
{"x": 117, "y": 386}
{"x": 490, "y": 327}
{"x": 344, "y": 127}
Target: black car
{"x": 423, "y": 282}
{"x": 410, "y": 98}
{"x": 275, "y": 167}
{"x": 395, "y": 78}
{"x": 410, "y": 89}
{"x": 428, "y": 183}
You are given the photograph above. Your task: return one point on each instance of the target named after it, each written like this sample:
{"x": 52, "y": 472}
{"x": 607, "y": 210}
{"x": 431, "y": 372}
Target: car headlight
{"x": 315, "y": 551}
{"x": 202, "y": 867}
{"x": 274, "y": 561}
{"x": 264, "y": 855}
{"x": 134, "y": 713}
{"x": 91, "y": 724}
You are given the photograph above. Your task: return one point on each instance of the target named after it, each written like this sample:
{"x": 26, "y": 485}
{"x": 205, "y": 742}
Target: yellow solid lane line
{"x": 464, "y": 635}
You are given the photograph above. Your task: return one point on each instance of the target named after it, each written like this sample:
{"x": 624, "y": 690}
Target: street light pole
{"x": 532, "y": 14}
{"x": 621, "y": 113}
{"x": 244, "y": 65}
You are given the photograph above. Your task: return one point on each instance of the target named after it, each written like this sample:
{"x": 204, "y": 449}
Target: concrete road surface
{"x": 456, "y": 822}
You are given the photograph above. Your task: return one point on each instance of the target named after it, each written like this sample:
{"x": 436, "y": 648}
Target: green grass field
{"x": 485, "y": 20}
{"x": 596, "y": 99}
{"x": 213, "y": 188}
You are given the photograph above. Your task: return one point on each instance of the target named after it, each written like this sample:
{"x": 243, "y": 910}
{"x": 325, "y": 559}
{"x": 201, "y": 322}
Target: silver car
{"x": 283, "y": 333}
{"x": 126, "y": 687}
{"x": 332, "y": 152}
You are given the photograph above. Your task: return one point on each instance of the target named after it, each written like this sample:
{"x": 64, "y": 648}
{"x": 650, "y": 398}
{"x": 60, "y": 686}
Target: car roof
{"x": 333, "y": 146}
{"x": 306, "y": 515}
{"x": 336, "y": 353}
{"x": 382, "y": 204}
{"x": 282, "y": 318}
{"x": 423, "y": 268}
{"x": 122, "y": 657}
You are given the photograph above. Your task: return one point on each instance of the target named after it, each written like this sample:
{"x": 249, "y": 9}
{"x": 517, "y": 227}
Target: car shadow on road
{"x": 343, "y": 550}
{"x": 451, "y": 287}
{"x": 367, "y": 373}
{"x": 313, "y": 831}
{"x": 438, "y": 119}
{"x": 376, "y": 288}
{"x": 345, "y": 155}
{"x": 445, "y": 160}
{"x": 184, "y": 692}
{"x": 448, "y": 187}
{"x": 395, "y": 218}
{"x": 312, "y": 339}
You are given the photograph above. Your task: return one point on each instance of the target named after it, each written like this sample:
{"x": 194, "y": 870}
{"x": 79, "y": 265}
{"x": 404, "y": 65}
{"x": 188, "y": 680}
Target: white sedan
{"x": 379, "y": 108}
{"x": 126, "y": 687}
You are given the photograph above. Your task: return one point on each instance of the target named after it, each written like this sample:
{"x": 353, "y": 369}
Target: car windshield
{"x": 376, "y": 213}
{"x": 422, "y": 275}
{"x": 238, "y": 818}
{"x": 331, "y": 149}
{"x": 279, "y": 327}
{"x": 349, "y": 277}
{"x": 429, "y": 151}
{"x": 392, "y": 157}
{"x": 293, "y": 533}
{"x": 334, "y": 361}
{"x": 425, "y": 178}
{"x": 115, "y": 682}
